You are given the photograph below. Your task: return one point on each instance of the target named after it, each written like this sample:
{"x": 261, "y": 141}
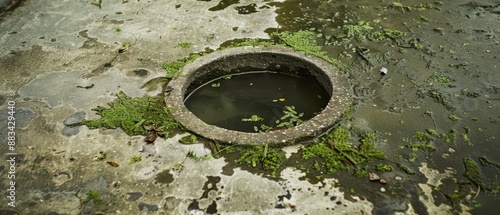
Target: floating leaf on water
{"x": 281, "y": 99}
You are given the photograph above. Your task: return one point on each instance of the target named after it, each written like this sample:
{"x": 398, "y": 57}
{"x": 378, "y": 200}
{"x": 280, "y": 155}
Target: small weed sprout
{"x": 184, "y": 45}
{"x": 135, "y": 159}
{"x": 101, "y": 157}
{"x": 93, "y": 196}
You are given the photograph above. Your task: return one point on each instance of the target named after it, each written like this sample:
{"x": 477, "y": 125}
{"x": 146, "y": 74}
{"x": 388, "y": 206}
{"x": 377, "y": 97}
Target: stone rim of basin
{"x": 221, "y": 63}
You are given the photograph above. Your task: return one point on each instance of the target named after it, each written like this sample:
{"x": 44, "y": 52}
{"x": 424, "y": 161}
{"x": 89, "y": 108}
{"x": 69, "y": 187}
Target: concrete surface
{"x": 48, "y": 48}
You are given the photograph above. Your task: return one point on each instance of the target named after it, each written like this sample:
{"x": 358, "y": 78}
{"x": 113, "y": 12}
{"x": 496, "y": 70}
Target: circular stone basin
{"x": 260, "y": 81}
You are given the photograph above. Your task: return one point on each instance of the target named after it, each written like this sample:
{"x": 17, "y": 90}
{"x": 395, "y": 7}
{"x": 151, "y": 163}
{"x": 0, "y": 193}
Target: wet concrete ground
{"x": 52, "y": 52}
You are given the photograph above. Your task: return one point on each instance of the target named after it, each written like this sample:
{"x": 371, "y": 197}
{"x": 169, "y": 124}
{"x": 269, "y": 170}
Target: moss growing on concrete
{"x": 422, "y": 136}
{"x": 134, "y": 159}
{"x": 367, "y": 147}
{"x": 449, "y": 137}
{"x": 406, "y": 169}
{"x": 385, "y": 34}
{"x": 457, "y": 196}
{"x": 337, "y": 153}
{"x": 441, "y": 79}
{"x": 132, "y": 114}
{"x": 353, "y": 31}
{"x": 383, "y": 167}
{"x": 422, "y": 147}
{"x": 331, "y": 160}
{"x": 172, "y": 68}
{"x": 93, "y": 196}
{"x": 247, "y": 42}
{"x": 269, "y": 158}
{"x": 473, "y": 173}
{"x": 184, "y": 45}
{"x": 305, "y": 41}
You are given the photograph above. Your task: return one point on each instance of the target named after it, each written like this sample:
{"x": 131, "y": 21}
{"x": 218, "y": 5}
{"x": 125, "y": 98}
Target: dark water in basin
{"x": 226, "y": 101}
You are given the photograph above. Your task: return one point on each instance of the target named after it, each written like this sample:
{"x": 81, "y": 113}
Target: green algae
{"x": 383, "y": 167}
{"x": 305, "y": 41}
{"x": 172, "y": 68}
{"x": 475, "y": 177}
{"x": 438, "y": 96}
{"x": 456, "y": 197}
{"x": 367, "y": 148}
{"x": 448, "y": 137}
{"x": 422, "y": 18}
{"x": 247, "y": 42}
{"x": 184, "y": 45}
{"x": 441, "y": 79}
{"x": 422, "y": 136}
{"x": 356, "y": 31}
{"x": 135, "y": 159}
{"x": 132, "y": 114}
{"x": 473, "y": 173}
{"x": 422, "y": 6}
{"x": 406, "y": 169}
{"x": 337, "y": 153}
{"x": 431, "y": 132}
{"x": 101, "y": 157}
{"x": 385, "y": 34}
{"x": 268, "y": 158}
{"x": 93, "y": 196}
{"x": 422, "y": 147}
{"x": 331, "y": 160}
{"x": 361, "y": 31}
{"x": 195, "y": 157}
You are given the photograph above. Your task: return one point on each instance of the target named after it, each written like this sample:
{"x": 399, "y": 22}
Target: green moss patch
{"x": 304, "y": 41}
{"x": 172, "y": 68}
{"x": 132, "y": 114}
{"x": 93, "y": 196}
{"x": 335, "y": 152}
{"x": 473, "y": 173}
{"x": 263, "y": 156}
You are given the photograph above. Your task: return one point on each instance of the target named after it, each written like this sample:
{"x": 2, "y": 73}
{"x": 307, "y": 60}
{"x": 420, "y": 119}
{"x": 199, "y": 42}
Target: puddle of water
{"x": 223, "y": 4}
{"x": 165, "y": 177}
{"x": 247, "y": 9}
{"x": 227, "y": 101}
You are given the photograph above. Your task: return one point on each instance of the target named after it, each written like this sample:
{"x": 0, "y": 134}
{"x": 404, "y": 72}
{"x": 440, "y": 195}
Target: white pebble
{"x": 383, "y": 71}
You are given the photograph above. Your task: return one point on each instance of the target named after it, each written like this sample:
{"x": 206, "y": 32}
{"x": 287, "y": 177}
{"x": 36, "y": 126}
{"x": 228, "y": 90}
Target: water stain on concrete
{"x": 164, "y": 177}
